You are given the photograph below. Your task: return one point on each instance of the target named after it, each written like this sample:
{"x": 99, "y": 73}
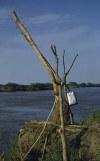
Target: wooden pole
{"x": 56, "y": 80}
{"x": 62, "y": 130}
{"x": 65, "y": 91}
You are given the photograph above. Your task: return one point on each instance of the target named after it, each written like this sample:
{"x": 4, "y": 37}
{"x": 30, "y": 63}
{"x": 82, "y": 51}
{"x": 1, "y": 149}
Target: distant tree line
{"x": 78, "y": 85}
{"x": 10, "y": 87}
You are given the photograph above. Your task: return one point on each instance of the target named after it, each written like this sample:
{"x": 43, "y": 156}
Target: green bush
{"x": 92, "y": 118}
{"x": 13, "y": 152}
{"x": 74, "y": 156}
{"x": 53, "y": 150}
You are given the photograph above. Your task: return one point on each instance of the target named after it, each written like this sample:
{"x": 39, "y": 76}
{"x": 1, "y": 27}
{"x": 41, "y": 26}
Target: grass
{"x": 54, "y": 149}
{"x": 13, "y": 152}
{"x": 93, "y": 118}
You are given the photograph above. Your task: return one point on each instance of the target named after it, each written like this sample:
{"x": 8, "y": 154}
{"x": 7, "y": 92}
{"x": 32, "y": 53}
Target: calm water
{"x": 18, "y": 107}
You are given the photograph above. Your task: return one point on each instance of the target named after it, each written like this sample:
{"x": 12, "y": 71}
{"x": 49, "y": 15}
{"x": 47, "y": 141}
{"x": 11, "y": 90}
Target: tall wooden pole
{"x": 65, "y": 91}
{"x": 57, "y": 82}
{"x": 62, "y": 130}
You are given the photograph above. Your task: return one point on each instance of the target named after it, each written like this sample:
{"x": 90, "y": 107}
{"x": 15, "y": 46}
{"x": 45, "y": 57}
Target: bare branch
{"x": 54, "y": 51}
{"x": 65, "y": 91}
{"x": 65, "y": 85}
{"x": 71, "y": 66}
{"x": 64, "y": 72}
{"x": 64, "y": 78}
{"x": 64, "y": 67}
{"x": 32, "y": 43}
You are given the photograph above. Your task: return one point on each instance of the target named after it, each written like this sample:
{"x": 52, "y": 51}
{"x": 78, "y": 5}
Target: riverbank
{"x": 16, "y": 108}
{"x": 83, "y": 141}
{"x": 11, "y": 87}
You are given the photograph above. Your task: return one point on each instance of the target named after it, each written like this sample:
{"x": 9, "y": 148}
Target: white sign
{"x": 71, "y": 98}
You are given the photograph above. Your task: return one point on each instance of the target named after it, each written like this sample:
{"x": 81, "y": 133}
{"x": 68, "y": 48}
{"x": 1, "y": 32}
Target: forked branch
{"x": 54, "y": 51}
{"x": 64, "y": 67}
{"x": 32, "y": 43}
{"x": 71, "y": 66}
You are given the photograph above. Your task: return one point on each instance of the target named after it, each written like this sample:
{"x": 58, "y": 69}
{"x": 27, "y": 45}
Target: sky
{"x": 73, "y": 25}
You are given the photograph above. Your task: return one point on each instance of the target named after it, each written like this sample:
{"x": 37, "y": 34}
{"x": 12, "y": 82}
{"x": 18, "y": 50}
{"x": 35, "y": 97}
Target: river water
{"x": 16, "y": 108}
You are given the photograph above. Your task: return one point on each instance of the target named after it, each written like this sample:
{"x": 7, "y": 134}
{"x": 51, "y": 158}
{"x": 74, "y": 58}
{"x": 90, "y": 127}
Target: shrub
{"x": 92, "y": 118}
{"x": 13, "y": 152}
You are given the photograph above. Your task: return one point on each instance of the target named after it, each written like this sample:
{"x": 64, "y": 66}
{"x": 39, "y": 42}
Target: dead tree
{"x": 58, "y": 83}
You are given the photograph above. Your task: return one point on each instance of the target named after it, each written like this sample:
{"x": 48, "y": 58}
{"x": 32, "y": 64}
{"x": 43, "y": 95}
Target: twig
{"x": 54, "y": 51}
{"x": 64, "y": 67}
{"x": 44, "y": 147}
{"x": 71, "y": 66}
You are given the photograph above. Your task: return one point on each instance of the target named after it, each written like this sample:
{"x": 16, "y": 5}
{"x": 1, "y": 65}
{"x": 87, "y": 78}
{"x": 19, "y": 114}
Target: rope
{"x": 32, "y": 146}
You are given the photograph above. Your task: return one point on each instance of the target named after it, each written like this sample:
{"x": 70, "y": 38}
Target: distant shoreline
{"x": 11, "y": 87}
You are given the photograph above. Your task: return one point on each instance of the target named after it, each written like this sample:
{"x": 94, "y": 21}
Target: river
{"x": 16, "y": 108}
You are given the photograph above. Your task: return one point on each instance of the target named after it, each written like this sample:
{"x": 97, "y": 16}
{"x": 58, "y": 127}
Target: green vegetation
{"x": 55, "y": 151}
{"x": 11, "y": 87}
{"x": 83, "y": 145}
{"x": 78, "y": 85}
{"x": 13, "y": 152}
{"x": 92, "y": 119}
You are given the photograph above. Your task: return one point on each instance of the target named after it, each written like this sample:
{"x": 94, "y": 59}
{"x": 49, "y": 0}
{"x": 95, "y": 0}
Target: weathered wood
{"x": 58, "y": 84}
{"x": 62, "y": 131}
{"x": 65, "y": 91}
{"x": 64, "y": 67}
{"x": 71, "y": 66}
{"x": 32, "y": 43}
{"x": 54, "y": 51}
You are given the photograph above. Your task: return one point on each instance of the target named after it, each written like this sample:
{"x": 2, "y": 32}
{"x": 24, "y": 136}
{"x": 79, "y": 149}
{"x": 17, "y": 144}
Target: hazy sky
{"x": 73, "y": 25}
